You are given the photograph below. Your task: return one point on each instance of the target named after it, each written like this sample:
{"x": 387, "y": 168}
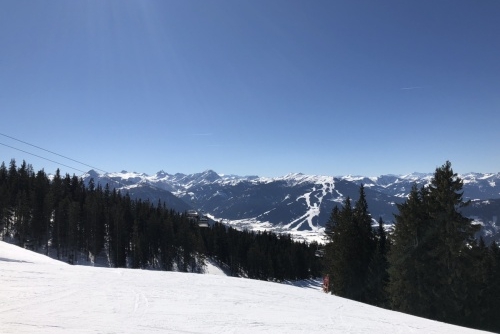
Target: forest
{"x": 62, "y": 217}
{"x": 430, "y": 264}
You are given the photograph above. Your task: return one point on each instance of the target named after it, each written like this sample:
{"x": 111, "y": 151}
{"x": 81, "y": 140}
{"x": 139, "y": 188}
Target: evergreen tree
{"x": 410, "y": 263}
{"x": 492, "y": 293}
{"x": 364, "y": 241}
{"x": 4, "y": 200}
{"x": 41, "y": 214}
{"x": 378, "y": 277}
{"x": 456, "y": 234}
{"x": 337, "y": 250}
{"x": 348, "y": 252}
{"x": 428, "y": 258}
{"x": 56, "y": 194}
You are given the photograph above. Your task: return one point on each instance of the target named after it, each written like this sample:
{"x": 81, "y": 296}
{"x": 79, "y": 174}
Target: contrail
{"x": 411, "y": 88}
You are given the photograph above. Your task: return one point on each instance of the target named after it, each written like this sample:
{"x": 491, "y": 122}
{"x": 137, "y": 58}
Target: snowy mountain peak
{"x": 161, "y": 174}
{"x": 210, "y": 175}
{"x": 92, "y": 173}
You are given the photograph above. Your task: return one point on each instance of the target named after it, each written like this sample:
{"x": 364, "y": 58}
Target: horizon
{"x": 259, "y": 88}
{"x": 102, "y": 172}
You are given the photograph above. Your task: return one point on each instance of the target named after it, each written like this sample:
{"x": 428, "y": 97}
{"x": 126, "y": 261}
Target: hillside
{"x": 41, "y": 295}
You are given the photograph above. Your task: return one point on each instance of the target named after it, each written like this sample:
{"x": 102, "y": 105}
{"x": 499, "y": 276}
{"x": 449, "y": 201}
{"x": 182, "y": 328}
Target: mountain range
{"x": 295, "y": 203}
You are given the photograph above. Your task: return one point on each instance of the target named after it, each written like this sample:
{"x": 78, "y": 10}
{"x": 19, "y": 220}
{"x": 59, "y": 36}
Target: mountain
{"x": 42, "y": 295}
{"x": 476, "y": 185}
{"x": 139, "y": 186}
{"x": 487, "y": 214}
{"x": 295, "y": 203}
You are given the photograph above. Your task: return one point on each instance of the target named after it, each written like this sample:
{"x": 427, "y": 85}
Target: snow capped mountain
{"x": 295, "y": 203}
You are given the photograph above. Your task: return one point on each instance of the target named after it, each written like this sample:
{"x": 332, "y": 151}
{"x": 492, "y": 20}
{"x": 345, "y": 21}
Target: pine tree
{"x": 456, "y": 235}
{"x": 56, "y": 194}
{"x": 478, "y": 279}
{"x": 378, "y": 277}
{"x": 348, "y": 252}
{"x": 492, "y": 320}
{"x": 40, "y": 225}
{"x": 337, "y": 250}
{"x": 409, "y": 262}
{"x": 4, "y": 200}
{"x": 364, "y": 241}
{"x": 428, "y": 258}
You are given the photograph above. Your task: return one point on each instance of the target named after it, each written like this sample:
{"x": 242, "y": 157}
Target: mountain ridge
{"x": 295, "y": 203}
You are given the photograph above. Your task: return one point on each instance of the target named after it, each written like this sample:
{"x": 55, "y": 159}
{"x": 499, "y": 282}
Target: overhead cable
{"x": 38, "y": 156}
{"x": 43, "y": 149}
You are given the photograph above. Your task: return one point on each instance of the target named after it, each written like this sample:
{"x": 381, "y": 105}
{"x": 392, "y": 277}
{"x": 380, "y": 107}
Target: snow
{"x": 212, "y": 268}
{"x": 40, "y": 295}
{"x": 313, "y": 207}
{"x": 256, "y": 225}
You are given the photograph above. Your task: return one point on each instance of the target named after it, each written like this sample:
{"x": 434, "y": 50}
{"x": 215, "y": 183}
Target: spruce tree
{"x": 337, "y": 250}
{"x": 409, "y": 261}
{"x": 348, "y": 252}
{"x": 364, "y": 240}
{"x": 456, "y": 235}
{"x": 429, "y": 252}
{"x": 378, "y": 277}
{"x": 492, "y": 320}
{"x": 4, "y": 200}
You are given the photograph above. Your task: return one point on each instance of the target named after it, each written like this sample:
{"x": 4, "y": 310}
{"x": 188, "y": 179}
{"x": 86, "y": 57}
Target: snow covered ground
{"x": 41, "y": 295}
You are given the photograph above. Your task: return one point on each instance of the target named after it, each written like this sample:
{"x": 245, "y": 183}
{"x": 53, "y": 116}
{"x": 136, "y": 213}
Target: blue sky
{"x": 252, "y": 87}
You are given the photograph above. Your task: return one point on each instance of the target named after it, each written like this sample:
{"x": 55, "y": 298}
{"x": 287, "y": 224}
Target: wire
{"x": 40, "y": 148}
{"x": 43, "y": 158}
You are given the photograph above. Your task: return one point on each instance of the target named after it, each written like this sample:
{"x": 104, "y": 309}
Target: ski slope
{"x": 41, "y": 295}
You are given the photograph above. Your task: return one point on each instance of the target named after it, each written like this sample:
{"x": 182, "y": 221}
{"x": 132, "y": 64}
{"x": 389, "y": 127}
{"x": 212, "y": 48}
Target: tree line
{"x": 65, "y": 218}
{"x": 430, "y": 265}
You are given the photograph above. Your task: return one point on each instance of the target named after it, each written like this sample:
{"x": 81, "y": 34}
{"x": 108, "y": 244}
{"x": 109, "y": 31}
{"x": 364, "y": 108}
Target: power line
{"x": 43, "y": 158}
{"x": 43, "y": 149}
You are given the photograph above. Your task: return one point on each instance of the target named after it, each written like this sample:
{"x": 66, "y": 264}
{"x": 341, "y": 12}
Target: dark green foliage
{"x": 378, "y": 277}
{"x": 73, "y": 222}
{"x": 411, "y": 285}
{"x": 436, "y": 269}
{"x": 350, "y": 248}
{"x": 483, "y": 287}
{"x": 432, "y": 266}
{"x": 261, "y": 255}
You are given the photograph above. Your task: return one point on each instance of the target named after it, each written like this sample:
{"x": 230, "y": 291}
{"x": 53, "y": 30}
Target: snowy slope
{"x": 40, "y": 295}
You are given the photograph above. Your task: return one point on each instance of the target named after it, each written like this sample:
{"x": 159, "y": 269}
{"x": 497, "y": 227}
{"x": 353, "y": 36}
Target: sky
{"x": 251, "y": 87}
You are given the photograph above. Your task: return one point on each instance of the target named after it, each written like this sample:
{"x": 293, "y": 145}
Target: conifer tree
{"x": 364, "y": 241}
{"x": 492, "y": 302}
{"x": 428, "y": 258}
{"x": 4, "y": 200}
{"x": 378, "y": 277}
{"x": 56, "y": 194}
{"x": 337, "y": 250}
{"x": 348, "y": 252}
{"x": 456, "y": 235}
{"x": 40, "y": 226}
{"x": 408, "y": 260}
